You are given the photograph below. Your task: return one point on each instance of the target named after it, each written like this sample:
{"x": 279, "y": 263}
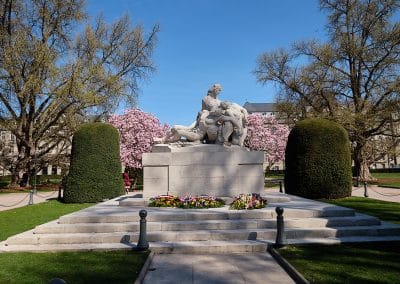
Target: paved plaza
{"x": 14, "y": 200}
{"x": 200, "y": 267}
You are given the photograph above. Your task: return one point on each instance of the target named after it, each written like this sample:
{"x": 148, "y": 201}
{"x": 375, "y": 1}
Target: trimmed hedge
{"x": 95, "y": 170}
{"x": 387, "y": 170}
{"x": 318, "y": 160}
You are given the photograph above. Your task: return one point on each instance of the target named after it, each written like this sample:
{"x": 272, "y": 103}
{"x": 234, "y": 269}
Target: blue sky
{"x": 202, "y": 42}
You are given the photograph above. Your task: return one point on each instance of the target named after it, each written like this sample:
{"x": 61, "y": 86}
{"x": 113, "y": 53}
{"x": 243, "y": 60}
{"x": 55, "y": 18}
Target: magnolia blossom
{"x": 137, "y": 133}
{"x": 264, "y": 133}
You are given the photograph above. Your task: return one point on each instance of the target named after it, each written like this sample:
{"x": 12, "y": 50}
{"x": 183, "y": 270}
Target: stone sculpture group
{"x": 222, "y": 123}
{"x": 205, "y": 165}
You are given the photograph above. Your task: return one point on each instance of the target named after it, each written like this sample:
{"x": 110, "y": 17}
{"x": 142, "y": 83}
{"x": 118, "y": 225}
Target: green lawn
{"x": 22, "y": 219}
{"x": 351, "y": 263}
{"x": 73, "y": 267}
{"x": 388, "y": 179}
{"x": 274, "y": 178}
{"x": 347, "y": 263}
{"x": 386, "y": 211}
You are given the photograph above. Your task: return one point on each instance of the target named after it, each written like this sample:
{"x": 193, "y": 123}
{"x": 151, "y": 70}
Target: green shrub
{"x": 95, "y": 170}
{"x": 5, "y": 181}
{"x": 318, "y": 160}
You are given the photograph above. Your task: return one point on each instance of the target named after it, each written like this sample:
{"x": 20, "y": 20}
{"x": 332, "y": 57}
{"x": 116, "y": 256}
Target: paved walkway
{"x": 14, "y": 200}
{"x": 215, "y": 269}
{"x": 380, "y": 193}
{"x": 374, "y": 192}
{"x": 210, "y": 269}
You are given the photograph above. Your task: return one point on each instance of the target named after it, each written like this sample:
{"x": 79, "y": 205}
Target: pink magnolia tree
{"x": 138, "y": 130}
{"x": 264, "y": 133}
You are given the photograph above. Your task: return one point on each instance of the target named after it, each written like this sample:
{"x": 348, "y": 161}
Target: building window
{"x": 54, "y": 170}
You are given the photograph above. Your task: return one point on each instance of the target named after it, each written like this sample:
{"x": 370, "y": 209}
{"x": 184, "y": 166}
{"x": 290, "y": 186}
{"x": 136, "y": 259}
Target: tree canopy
{"x": 265, "y": 133}
{"x": 138, "y": 131}
{"x": 352, "y": 78}
{"x": 50, "y": 73}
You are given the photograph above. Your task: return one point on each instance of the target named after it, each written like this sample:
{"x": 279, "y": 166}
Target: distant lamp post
{"x": 35, "y": 170}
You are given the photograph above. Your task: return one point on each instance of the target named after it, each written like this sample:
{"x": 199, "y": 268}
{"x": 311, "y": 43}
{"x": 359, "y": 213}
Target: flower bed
{"x": 248, "y": 201}
{"x": 187, "y": 201}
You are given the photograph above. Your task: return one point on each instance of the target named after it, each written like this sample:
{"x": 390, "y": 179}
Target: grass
{"x": 271, "y": 180}
{"x": 351, "y": 263}
{"x": 72, "y": 267}
{"x": 25, "y": 218}
{"x": 51, "y": 181}
{"x": 386, "y": 211}
{"x": 347, "y": 263}
{"x": 388, "y": 179}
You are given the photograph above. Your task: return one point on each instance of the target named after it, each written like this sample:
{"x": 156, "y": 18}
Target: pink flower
{"x": 137, "y": 133}
{"x": 264, "y": 133}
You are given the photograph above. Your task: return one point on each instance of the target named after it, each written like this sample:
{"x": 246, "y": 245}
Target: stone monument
{"x": 206, "y": 157}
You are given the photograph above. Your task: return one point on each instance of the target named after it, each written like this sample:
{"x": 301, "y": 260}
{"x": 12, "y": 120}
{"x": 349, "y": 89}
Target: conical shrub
{"x": 318, "y": 160}
{"x": 95, "y": 168}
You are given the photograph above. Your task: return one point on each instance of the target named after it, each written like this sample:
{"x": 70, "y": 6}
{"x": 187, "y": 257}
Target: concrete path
{"x": 215, "y": 269}
{"x": 374, "y": 192}
{"x": 380, "y": 193}
{"x": 14, "y": 200}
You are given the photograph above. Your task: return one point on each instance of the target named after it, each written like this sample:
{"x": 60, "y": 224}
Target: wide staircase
{"x": 115, "y": 225}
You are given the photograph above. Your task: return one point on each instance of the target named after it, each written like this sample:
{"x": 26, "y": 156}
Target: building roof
{"x": 259, "y": 107}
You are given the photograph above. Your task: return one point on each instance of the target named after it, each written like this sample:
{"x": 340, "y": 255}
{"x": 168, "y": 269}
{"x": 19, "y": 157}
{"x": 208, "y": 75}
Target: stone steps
{"x": 215, "y": 247}
{"x": 174, "y": 214}
{"x": 202, "y": 235}
{"x": 139, "y": 201}
{"x": 110, "y": 226}
{"x": 57, "y": 228}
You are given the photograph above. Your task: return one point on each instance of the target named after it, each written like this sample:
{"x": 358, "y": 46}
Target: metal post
{"x": 280, "y": 186}
{"x": 142, "y": 243}
{"x": 365, "y": 189}
{"x": 280, "y": 234}
{"x": 59, "y": 198}
{"x": 30, "y": 197}
{"x": 35, "y": 172}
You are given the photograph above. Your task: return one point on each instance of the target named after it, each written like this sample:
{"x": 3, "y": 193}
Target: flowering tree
{"x": 264, "y": 133}
{"x": 137, "y": 133}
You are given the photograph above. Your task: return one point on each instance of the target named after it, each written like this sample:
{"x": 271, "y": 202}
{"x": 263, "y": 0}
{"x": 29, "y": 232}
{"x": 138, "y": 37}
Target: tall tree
{"x": 265, "y": 133}
{"x": 353, "y": 78}
{"x": 50, "y": 74}
{"x": 138, "y": 131}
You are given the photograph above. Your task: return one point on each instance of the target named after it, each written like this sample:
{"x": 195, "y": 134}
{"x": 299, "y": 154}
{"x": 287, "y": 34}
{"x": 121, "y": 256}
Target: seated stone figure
{"x": 217, "y": 123}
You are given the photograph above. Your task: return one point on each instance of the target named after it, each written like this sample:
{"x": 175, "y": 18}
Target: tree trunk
{"x": 135, "y": 179}
{"x": 357, "y": 158}
{"x": 365, "y": 174}
{"x": 14, "y": 178}
{"x": 361, "y": 166}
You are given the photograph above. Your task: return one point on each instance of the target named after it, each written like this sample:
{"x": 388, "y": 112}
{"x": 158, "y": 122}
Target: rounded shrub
{"x": 95, "y": 168}
{"x": 318, "y": 160}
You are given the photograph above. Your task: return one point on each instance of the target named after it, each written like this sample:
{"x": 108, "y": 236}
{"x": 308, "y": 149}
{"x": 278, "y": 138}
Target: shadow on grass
{"x": 347, "y": 263}
{"x": 386, "y": 211}
{"x": 73, "y": 267}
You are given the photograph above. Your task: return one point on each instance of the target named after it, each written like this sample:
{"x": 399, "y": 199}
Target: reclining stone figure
{"x": 218, "y": 122}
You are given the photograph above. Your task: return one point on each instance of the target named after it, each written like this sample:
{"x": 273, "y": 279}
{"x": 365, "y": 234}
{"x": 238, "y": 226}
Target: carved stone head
{"x": 214, "y": 90}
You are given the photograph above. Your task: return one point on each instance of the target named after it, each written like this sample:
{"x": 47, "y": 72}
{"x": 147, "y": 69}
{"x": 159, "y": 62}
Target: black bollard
{"x": 280, "y": 187}
{"x": 59, "y": 198}
{"x": 142, "y": 243}
{"x": 30, "y": 197}
{"x": 280, "y": 234}
{"x": 365, "y": 189}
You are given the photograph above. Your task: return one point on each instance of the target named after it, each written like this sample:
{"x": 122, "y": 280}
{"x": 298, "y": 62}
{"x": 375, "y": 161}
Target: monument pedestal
{"x": 202, "y": 169}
